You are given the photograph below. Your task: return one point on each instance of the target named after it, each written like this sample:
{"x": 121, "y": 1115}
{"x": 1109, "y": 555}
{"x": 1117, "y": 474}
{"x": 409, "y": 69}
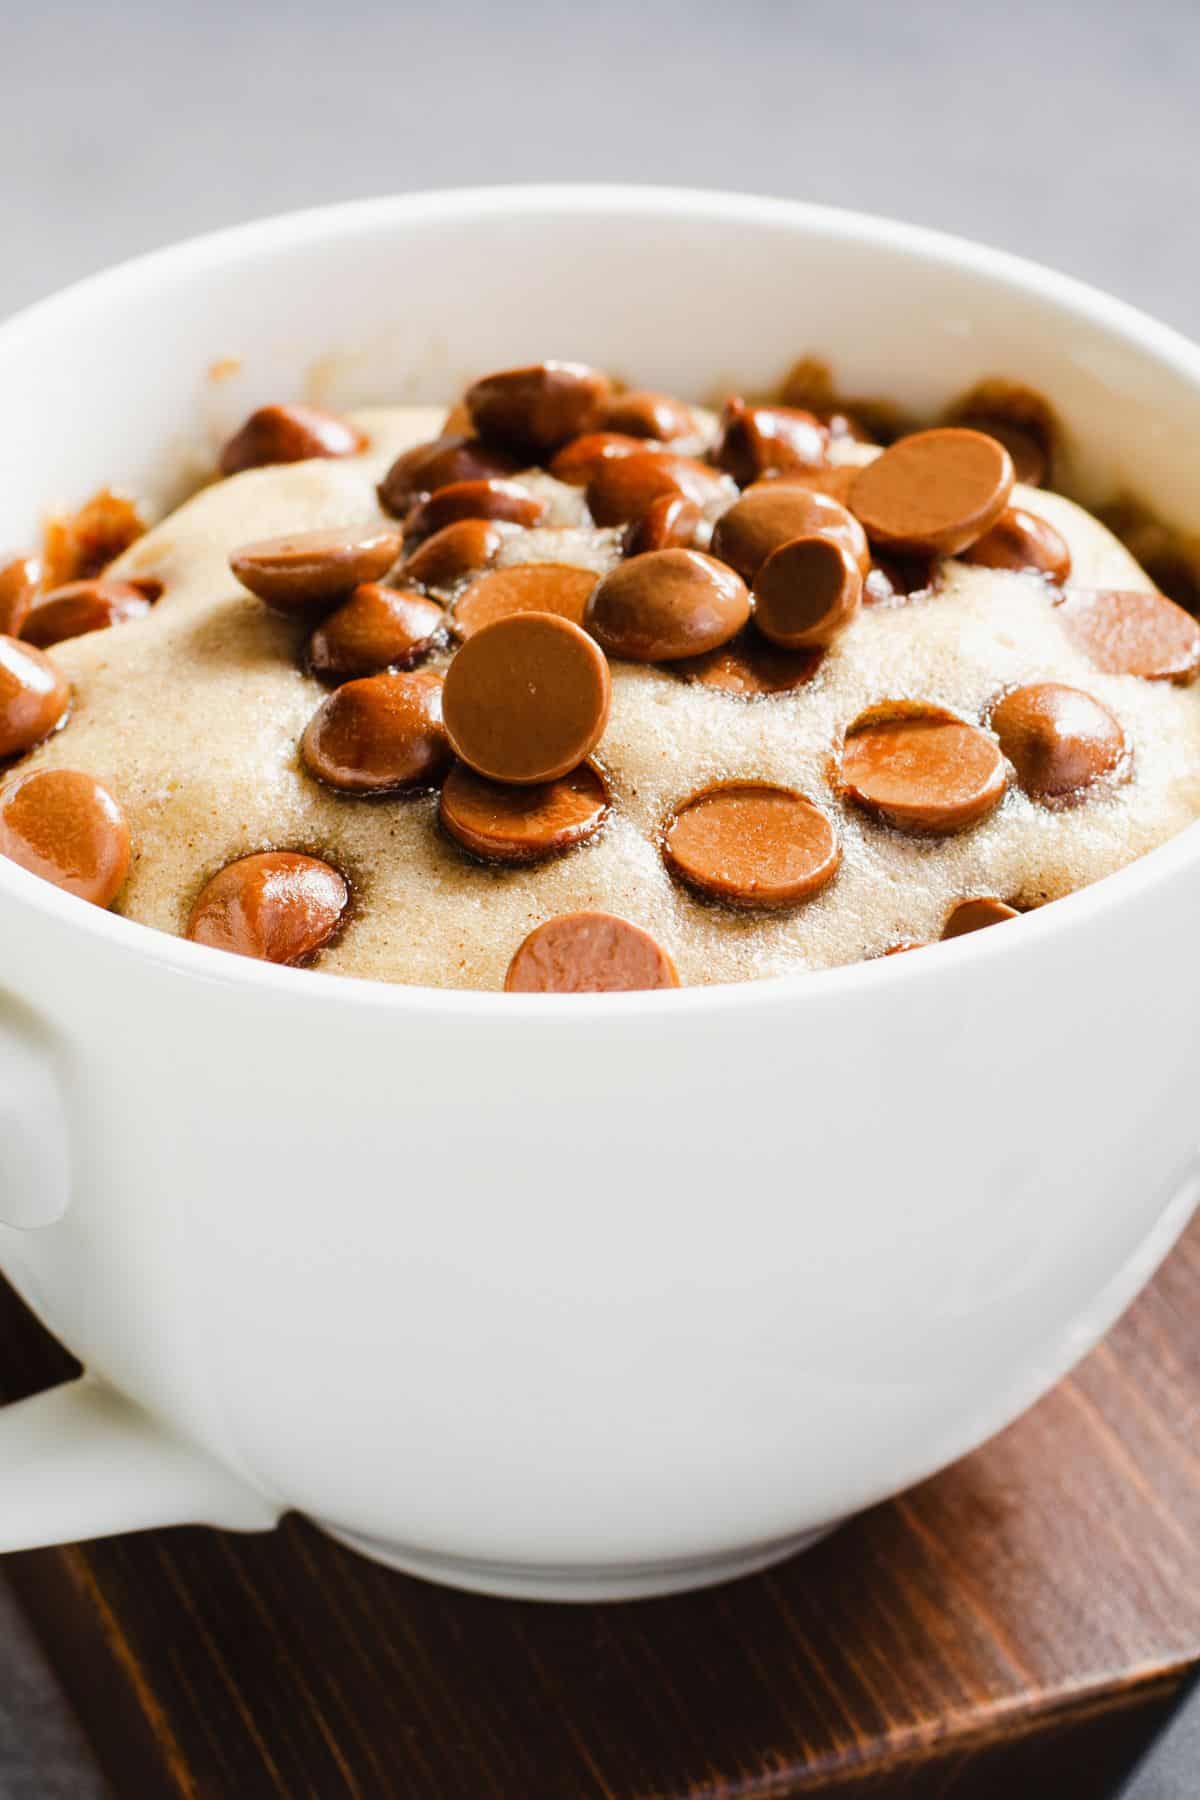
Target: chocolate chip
{"x": 1133, "y": 634}
{"x": 80, "y": 544}
{"x": 642, "y": 413}
{"x": 752, "y": 845}
{"x": 589, "y": 953}
{"x": 749, "y": 668}
{"x": 457, "y": 550}
{"x": 66, "y": 827}
{"x": 1022, "y": 541}
{"x": 381, "y": 735}
{"x": 19, "y": 582}
{"x": 624, "y": 487}
{"x": 1019, "y": 419}
{"x": 772, "y": 513}
{"x": 309, "y": 571}
{"x": 83, "y": 606}
{"x": 806, "y": 593}
{"x": 922, "y": 771}
{"x": 1030, "y": 454}
{"x": 755, "y": 440}
{"x": 667, "y": 604}
{"x": 546, "y": 587}
{"x": 514, "y": 825}
{"x": 527, "y": 698}
{"x": 936, "y": 491}
{"x": 288, "y": 434}
{"x": 974, "y": 915}
{"x": 278, "y": 907}
{"x": 1058, "y": 739}
{"x": 377, "y": 628}
{"x": 668, "y": 523}
{"x": 34, "y": 696}
{"x": 494, "y": 499}
{"x": 538, "y": 407}
{"x": 444, "y": 460}
{"x": 579, "y": 461}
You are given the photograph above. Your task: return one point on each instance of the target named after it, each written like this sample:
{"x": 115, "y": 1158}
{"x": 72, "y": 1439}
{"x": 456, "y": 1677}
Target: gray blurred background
{"x": 1066, "y": 131}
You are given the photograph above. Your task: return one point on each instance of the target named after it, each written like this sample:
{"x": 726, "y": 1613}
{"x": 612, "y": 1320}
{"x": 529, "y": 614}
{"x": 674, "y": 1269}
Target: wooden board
{"x": 1015, "y": 1626}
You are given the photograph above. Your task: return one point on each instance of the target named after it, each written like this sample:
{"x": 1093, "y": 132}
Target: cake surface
{"x": 192, "y": 717}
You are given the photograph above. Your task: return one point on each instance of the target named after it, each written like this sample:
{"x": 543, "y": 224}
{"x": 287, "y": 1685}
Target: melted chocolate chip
{"x": 377, "y": 628}
{"x": 64, "y": 826}
{"x": 381, "y": 735}
{"x": 527, "y": 698}
{"x": 752, "y": 845}
{"x": 34, "y": 696}
{"x": 287, "y": 434}
{"x": 278, "y": 906}
{"x": 516, "y": 825}
{"x": 667, "y": 604}
{"x": 589, "y": 953}
{"x": 934, "y": 492}
{"x": 83, "y": 606}
{"x": 923, "y": 771}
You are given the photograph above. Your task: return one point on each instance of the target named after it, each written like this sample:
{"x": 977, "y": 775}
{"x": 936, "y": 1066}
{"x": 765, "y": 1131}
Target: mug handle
{"x": 81, "y": 1461}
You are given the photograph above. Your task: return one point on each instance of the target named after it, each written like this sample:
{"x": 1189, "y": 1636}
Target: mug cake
{"x": 580, "y": 688}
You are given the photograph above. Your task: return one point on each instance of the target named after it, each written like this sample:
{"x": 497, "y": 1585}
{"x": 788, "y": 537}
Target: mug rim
{"x": 275, "y": 232}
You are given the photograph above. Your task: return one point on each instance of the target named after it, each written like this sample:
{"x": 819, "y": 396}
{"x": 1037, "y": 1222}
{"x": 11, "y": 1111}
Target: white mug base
{"x": 584, "y": 1583}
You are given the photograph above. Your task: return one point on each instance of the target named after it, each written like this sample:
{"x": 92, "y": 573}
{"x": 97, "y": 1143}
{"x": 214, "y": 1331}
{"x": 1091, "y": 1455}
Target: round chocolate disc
{"x": 63, "y": 825}
{"x": 311, "y": 570}
{"x": 924, "y": 772}
{"x": 1022, "y": 541}
{"x": 807, "y": 592}
{"x": 1132, "y": 633}
{"x": 279, "y": 907}
{"x": 287, "y": 434}
{"x": 83, "y": 606}
{"x": 936, "y": 491}
{"x": 504, "y": 824}
{"x": 377, "y": 628}
{"x": 772, "y": 513}
{"x": 545, "y": 587}
{"x": 1058, "y": 739}
{"x": 667, "y": 604}
{"x": 536, "y": 408}
{"x": 589, "y": 953}
{"x": 379, "y": 735}
{"x": 752, "y": 845}
{"x": 527, "y": 698}
{"x": 974, "y": 915}
{"x": 34, "y": 696}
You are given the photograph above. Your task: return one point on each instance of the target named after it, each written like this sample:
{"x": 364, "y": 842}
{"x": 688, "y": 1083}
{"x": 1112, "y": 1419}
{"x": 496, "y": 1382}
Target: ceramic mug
{"x": 572, "y": 1297}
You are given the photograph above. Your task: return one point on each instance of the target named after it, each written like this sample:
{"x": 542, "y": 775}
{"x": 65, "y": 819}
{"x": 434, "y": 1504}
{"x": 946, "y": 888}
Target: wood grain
{"x": 1016, "y": 1625}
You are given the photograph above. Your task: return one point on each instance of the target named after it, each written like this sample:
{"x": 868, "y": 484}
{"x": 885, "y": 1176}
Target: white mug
{"x": 572, "y": 1297}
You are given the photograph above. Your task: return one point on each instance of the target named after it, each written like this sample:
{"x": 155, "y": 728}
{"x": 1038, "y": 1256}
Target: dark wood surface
{"x": 1014, "y": 1627}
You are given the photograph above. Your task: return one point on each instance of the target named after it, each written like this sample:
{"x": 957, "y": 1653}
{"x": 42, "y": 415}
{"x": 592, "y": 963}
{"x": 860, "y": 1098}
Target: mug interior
{"x": 130, "y": 379}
